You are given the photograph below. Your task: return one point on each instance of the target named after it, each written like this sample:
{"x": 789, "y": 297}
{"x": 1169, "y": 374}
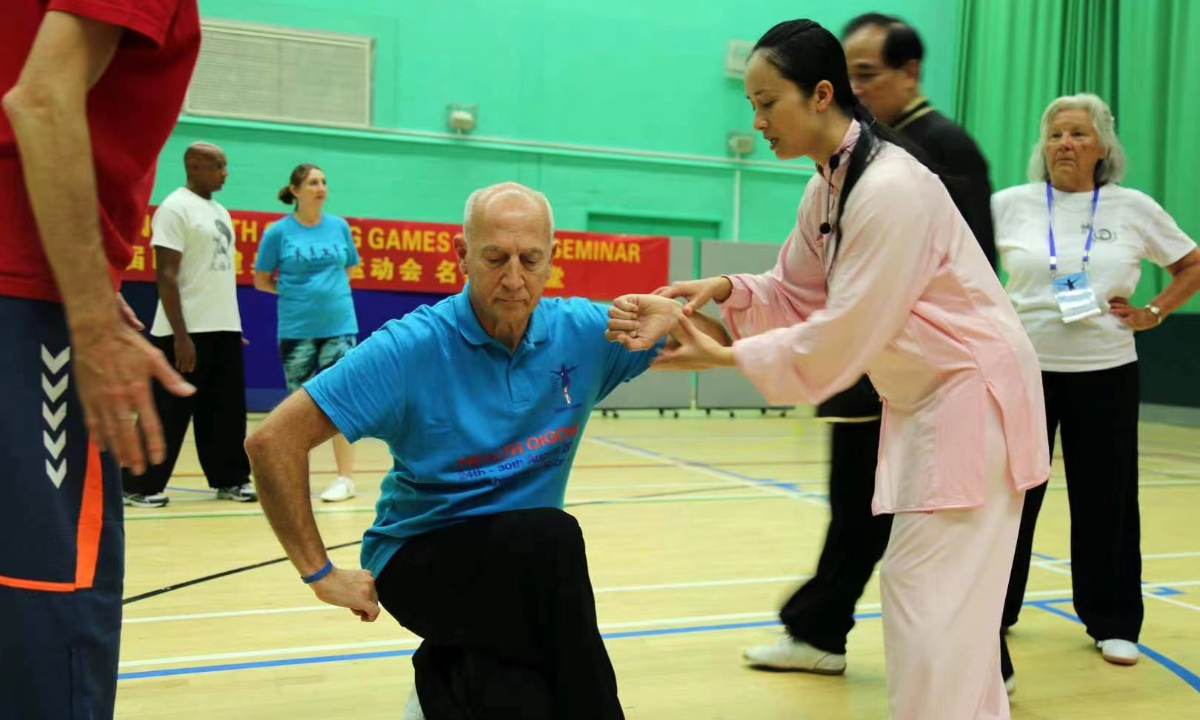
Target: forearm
{"x": 53, "y": 140}
{"x": 280, "y": 465}
{"x": 265, "y": 282}
{"x": 712, "y": 328}
{"x": 168, "y": 294}
{"x": 1182, "y": 287}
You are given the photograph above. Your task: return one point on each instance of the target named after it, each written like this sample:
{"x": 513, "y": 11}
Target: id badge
{"x": 1075, "y": 296}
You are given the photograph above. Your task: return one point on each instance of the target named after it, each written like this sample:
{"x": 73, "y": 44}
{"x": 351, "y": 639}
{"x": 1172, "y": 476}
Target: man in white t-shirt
{"x": 198, "y": 327}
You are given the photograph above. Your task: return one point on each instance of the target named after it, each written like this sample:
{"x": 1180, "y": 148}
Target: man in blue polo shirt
{"x": 482, "y": 400}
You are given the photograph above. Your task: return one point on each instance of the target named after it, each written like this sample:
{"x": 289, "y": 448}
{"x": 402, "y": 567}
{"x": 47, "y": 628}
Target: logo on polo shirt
{"x": 561, "y": 381}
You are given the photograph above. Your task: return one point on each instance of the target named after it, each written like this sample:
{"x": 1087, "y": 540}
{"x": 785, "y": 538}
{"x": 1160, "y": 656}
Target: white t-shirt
{"x": 203, "y": 231}
{"x": 1130, "y": 227}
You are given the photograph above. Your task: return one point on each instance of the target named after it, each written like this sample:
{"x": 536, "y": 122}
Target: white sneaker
{"x": 342, "y": 488}
{"x": 1118, "y": 652}
{"x": 788, "y": 654}
{"x": 412, "y": 708}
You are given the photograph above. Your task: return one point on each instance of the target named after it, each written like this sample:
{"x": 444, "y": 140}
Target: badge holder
{"x": 1076, "y": 299}
{"x": 1075, "y": 296}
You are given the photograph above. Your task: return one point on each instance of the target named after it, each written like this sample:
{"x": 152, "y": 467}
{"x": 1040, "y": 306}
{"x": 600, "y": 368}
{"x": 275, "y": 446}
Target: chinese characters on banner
{"x": 419, "y": 257}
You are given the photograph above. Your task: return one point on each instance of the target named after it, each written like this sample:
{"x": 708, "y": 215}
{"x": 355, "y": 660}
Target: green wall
{"x": 628, "y": 74}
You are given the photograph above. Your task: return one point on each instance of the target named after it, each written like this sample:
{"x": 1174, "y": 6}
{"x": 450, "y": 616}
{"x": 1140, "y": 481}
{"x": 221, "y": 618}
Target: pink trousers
{"x": 944, "y": 578}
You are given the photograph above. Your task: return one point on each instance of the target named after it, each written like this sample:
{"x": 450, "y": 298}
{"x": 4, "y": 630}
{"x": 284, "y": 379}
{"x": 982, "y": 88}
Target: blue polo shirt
{"x": 473, "y": 428}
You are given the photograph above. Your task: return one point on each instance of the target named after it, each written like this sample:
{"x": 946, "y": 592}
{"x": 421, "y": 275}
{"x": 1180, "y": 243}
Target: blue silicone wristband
{"x": 328, "y": 568}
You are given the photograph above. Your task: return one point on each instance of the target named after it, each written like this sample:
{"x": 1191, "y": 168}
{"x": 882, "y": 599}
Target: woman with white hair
{"x": 1072, "y": 242}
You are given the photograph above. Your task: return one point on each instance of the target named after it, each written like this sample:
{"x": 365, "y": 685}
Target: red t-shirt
{"x": 131, "y": 111}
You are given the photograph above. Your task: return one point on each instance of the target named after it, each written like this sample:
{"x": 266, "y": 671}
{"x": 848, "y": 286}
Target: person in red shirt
{"x": 91, "y": 91}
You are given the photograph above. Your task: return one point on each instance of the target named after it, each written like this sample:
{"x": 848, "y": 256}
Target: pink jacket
{"x": 912, "y": 301}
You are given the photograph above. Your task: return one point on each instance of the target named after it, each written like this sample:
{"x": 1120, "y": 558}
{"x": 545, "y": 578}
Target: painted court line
{"x": 866, "y": 610}
{"x": 1152, "y": 556}
{"x": 272, "y": 651}
{"x": 1175, "y": 668}
{"x": 614, "y": 589}
{"x": 1049, "y": 605}
{"x": 407, "y": 642}
{"x": 714, "y": 471}
{"x": 597, "y": 591}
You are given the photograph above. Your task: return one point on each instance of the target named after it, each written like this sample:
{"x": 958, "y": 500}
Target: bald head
{"x": 205, "y": 166}
{"x": 201, "y": 152}
{"x": 507, "y": 205}
{"x": 506, "y": 253}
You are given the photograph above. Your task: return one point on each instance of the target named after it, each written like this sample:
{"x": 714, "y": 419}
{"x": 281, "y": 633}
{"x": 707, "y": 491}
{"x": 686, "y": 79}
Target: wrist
{"x": 89, "y": 319}
{"x": 725, "y": 289}
{"x": 1156, "y": 312}
{"x": 318, "y": 574}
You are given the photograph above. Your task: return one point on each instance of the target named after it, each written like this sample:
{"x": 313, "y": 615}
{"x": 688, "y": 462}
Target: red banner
{"x": 419, "y": 257}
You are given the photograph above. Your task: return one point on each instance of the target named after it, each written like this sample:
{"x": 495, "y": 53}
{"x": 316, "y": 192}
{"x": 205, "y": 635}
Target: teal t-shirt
{"x": 314, "y": 291}
{"x": 473, "y": 428}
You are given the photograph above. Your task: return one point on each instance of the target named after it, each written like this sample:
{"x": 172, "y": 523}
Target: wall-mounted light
{"x": 740, "y": 142}
{"x": 461, "y": 118}
{"x": 737, "y": 54}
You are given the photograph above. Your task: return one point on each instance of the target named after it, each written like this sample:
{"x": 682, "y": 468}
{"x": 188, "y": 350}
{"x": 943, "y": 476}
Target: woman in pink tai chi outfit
{"x": 881, "y": 274}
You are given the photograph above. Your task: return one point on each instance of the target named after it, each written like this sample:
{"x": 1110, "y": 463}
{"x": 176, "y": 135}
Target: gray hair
{"x": 1113, "y": 167}
{"x": 480, "y": 196}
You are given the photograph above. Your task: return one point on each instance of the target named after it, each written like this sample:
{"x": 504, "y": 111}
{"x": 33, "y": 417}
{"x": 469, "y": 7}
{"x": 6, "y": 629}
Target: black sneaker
{"x": 146, "y": 501}
{"x": 238, "y": 493}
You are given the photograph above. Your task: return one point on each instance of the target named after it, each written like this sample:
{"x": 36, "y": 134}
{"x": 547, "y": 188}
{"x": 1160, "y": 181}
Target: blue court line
{"x": 1183, "y": 673}
{"x": 1048, "y": 605}
{"x": 263, "y": 664}
{"x": 1178, "y": 670}
{"x": 1175, "y": 668}
{"x": 199, "y": 669}
{"x": 790, "y": 487}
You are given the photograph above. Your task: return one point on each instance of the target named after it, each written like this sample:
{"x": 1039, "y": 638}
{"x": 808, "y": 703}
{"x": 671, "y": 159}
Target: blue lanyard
{"x": 1091, "y": 236}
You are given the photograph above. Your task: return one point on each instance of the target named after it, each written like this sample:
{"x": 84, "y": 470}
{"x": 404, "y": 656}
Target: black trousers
{"x": 821, "y": 612}
{"x": 217, "y": 408}
{"x": 1097, "y": 413}
{"x": 504, "y": 605}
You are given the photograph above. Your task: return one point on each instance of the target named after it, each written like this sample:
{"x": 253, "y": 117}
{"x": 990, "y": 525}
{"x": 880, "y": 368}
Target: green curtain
{"x": 1141, "y": 56}
{"x": 1015, "y": 57}
{"x": 1159, "y": 76}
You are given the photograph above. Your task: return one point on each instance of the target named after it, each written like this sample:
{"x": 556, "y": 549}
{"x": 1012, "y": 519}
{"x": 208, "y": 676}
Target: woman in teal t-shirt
{"x": 306, "y": 259}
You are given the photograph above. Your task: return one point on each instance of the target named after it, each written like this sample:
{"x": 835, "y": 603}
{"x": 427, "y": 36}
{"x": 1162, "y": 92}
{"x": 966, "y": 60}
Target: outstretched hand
{"x": 698, "y": 292}
{"x": 695, "y": 350}
{"x": 638, "y": 322}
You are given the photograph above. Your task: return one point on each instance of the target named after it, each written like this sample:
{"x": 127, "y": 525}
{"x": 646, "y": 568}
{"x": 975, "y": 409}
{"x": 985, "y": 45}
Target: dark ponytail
{"x": 299, "y": 175}
{"x": 806, "y": 53}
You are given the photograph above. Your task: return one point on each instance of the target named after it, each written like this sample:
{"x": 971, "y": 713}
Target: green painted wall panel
{"x": 623, "y": 74}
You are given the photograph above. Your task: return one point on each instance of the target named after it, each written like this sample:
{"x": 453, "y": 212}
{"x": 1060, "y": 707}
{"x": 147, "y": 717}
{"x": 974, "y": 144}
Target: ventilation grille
{"x": 260, "y": 72}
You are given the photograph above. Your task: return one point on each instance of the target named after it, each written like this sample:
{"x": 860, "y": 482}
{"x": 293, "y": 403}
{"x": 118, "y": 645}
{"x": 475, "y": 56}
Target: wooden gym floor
{"x": 697, "y": 528}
